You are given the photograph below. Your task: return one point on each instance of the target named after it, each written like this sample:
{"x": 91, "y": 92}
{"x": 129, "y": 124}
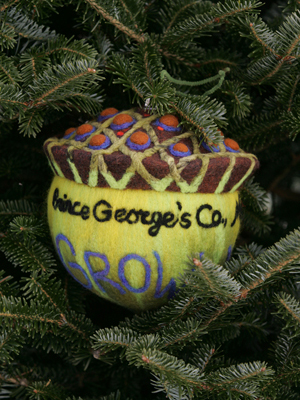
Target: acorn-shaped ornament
{"x": 134, "y": 196}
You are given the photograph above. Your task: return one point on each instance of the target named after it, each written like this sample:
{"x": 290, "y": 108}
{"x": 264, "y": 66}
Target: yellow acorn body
{"x": 132, "y": 246}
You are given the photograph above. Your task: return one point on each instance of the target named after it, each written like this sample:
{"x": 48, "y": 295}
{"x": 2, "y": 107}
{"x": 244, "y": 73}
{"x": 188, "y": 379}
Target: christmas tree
{"x": 232, "y": 330}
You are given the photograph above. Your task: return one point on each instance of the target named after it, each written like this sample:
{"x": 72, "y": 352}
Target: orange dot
{"x": 232, "y": 144}
{"x": 160, "y": 128}
{"x": 139, "y": 137}
{"x": 169, "y": 120}
{"x": 97, "y": 140}
{"x": 181, "y": 147}
{"x": 108, "y": 111}
{"x": 69, "y": 130}
{"x": 85, "y": 128}
{"x": 121, "y": 119}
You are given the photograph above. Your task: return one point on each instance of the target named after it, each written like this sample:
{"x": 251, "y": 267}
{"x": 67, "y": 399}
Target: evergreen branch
{"x": 274, "y": 71}
{"x": 10, "y": 344}
{"x": 288, "y": 309}
{"x": 45, "y": 390}
{"x": 147, "y": 67}
{"x": 122, "y": 69}
{"x": 8, "y": 72}
{"x": 18, "y": 207}
{"x": 182, "y": 333}
{"x": 17, "y": 381}
{"x": 179, "y": 57}
{"x": 129, "y": 14}
{"x": 203, "y": 356}
{"x": 293, "y": 92}
{"x": 28, "y": 226}
{"x": 291, "y": 124}
{"x": 7, "y": 287}
{"x": 241, "y": 372}
{"x": 251, "y": 251}
{"x": 285, "y": 351}
{"x": 286, "y": 89}
{"x": 107, "y": 340}
{"x": 7, "y": 37}
{"x": 237, "y": 100}
{"x": 40, "y": 100}
{"x": 129, "y": 32}
{"x": 171, "y": 391}
{"x": 212, "y": 280}
{"x": 259, "y": 132}
{"x": 42, "y": 287}
{"x": 40, "y": 318}
{"x": 201, "y": 24}
{"x": 7, "y": 5}
{"x": 218, "y": 313}
{"x": 31, "y": 122}
{"x": 181, "y": 10}
{"x": 160, "y": 363}
{"x": 76, "y": 48}
{"x": 23, "y": 26}
{"x": 12, "y": 101}
{"x": 254, "y": 194}
{"x": 257, "y": 221}
{"x": 289, "y": 35}
{"x": 264, "y": 36}
{"x": 274, "y": 260}
{"x": 31, "y": 256}
{"x": 201, "y": 114}
{"x": 216, "y": 61}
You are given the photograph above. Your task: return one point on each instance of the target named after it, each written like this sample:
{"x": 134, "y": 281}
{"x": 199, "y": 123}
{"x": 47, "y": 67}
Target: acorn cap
{"x": 149, "y": 153}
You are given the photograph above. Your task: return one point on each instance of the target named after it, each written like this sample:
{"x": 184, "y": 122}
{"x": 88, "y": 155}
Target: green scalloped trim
{"x": 77, "y": 177}
{"x": 226, "y": 176}
{"x": 237, "y": 185}
{"x": 162, "y": 184}
{"x": 121, "y": 183}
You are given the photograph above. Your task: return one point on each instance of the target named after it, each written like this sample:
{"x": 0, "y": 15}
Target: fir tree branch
{"x": 283, "y": 254}
{"x": 40, "y": 100}
{"x": 293, "y": 92}
{"x": 129, "y": 14}
{"x": 169, "y": 366}
{"x": 219, "y": 312}
{"x": 18, "y": 381}
{"x": 215, "y": 61}
{"x": 181, "y": 10}
{"x": 202, "y": 356}
{"x": 188, "y": 119}
{"x": 273, "y": 71}
{"x": 30, "y": 318}
{"x": 203, "y": 23}
{"x": 147, "y": 67}
{"x": 8, "y": 4}
{"x": 9, "y": 72}
{"x": 129, "y": 32}
{"x": 289, "y": 310}
{"x": 259, "y": 38}
{"x": 176, "y": 57}
{"x": 181, "y": 333}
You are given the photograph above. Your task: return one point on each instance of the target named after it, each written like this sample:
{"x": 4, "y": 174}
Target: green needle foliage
{"x": 231, "y": 331}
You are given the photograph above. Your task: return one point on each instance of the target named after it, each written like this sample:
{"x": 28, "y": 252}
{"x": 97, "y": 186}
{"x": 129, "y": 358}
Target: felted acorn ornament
{"x": 134, "y": 196}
